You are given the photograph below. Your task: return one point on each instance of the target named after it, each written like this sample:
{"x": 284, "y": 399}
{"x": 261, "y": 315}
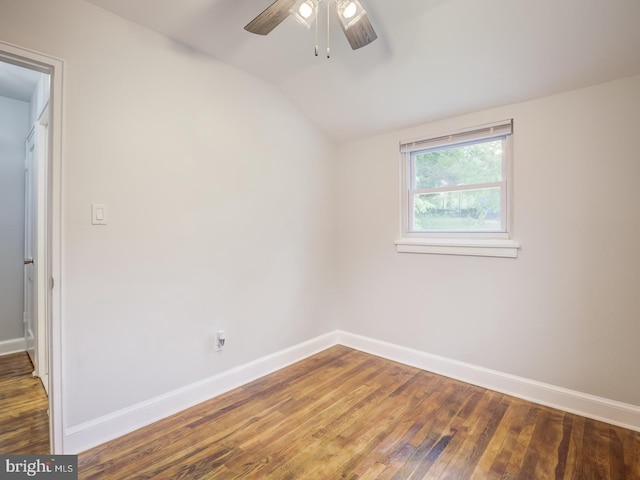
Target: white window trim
{"x": 486, "y": 244}
{"x": 482, "y": 247}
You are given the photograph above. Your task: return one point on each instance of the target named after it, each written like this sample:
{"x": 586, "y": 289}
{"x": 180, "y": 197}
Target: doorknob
{"x": 28, "y": 261}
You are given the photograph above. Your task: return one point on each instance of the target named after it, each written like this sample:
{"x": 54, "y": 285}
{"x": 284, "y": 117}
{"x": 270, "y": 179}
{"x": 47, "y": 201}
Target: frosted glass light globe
{"x": 350, "y": 10}
{"x": 305, "y": 10}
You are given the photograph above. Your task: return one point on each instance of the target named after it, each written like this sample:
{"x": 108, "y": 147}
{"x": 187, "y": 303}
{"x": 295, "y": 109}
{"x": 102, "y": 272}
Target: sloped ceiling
{"x": 433, "y": 58}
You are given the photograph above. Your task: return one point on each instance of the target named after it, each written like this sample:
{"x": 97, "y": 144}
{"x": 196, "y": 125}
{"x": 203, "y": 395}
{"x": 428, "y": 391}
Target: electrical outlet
{"x": 221, "y": 339}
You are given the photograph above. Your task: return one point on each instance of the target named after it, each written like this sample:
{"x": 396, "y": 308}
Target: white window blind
{"x": 474, "y": 134}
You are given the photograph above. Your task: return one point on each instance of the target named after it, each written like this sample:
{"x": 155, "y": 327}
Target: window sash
{"x": 456, "y": 188}
{"x": 494, "y": 131}
{"x": 503, "y": 210}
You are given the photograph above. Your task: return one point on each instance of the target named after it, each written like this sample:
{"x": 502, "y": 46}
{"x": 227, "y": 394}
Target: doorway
{"x": 30, "y": 97}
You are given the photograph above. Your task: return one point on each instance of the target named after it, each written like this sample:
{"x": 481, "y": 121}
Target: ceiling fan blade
{"x": 272, "y": 16}
{"x": 360, "y": 34}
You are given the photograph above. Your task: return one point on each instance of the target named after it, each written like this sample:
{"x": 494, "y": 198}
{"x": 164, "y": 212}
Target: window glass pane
{"x": 462, "y": 165}
{"x": 467, "y": 210}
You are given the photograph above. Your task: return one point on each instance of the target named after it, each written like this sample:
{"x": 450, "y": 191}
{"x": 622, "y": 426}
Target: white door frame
{"x": 53, "y": 238}
{"x": 41, "y": 132}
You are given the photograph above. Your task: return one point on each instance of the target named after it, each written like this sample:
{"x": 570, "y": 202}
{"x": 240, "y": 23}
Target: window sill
{"x": 482, "y": 247}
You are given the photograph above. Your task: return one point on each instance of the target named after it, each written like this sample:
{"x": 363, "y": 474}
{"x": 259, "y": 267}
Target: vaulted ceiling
{"x": 433, "y": 58}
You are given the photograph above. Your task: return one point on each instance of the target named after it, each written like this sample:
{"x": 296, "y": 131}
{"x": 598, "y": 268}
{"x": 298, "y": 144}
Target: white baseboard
{"x": 15, "y": 345}
{"x": 81, "y": 437}
{"x": 90, "y": 434}
{"x": 590, "y": 406}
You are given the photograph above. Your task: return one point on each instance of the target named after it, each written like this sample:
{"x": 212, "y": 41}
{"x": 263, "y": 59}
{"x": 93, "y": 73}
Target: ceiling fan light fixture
{"x": 354, "y": 21}
{"x": 349, "y": 12}
{"x": 305, "y": 12}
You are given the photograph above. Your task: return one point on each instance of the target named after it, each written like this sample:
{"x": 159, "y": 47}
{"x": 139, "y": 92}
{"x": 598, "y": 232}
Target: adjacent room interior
{"x": 225, "y": 215}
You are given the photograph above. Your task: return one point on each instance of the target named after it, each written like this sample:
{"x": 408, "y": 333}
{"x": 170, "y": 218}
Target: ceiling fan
{"x": 351, "y": 15}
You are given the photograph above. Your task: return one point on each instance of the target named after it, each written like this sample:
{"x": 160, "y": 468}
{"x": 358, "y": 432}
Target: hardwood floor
{"x": 24, "y": 423}
{"x": 346, "y": 414}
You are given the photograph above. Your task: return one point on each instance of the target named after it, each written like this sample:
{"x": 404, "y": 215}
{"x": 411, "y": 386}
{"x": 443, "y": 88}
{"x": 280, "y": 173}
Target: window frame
{"x": 483, "y": 243}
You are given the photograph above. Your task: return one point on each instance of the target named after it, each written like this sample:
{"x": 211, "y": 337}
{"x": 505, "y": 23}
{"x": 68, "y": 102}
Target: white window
{"x": 457, "y": 193}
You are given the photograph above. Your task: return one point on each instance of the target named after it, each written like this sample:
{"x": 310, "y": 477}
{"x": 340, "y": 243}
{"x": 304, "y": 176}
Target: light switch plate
{"x": 98, "y": 214}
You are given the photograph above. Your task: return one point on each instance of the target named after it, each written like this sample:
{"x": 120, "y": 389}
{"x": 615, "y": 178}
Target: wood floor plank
{"x": 520, "y": 450}
{"x": 491, "y": 465}
{"x": 631, "y": 452}
{"x": 617, "y": 467}
{"x": 346, "y": 414}
{"x": 549, "y": 448}
{"x": 576, "y": 452}
{"x": 563, "y": 447}
{"x": 591, "y": 467}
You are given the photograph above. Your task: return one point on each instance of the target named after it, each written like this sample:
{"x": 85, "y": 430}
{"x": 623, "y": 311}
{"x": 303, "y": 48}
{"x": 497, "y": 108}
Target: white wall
{"x": 566, "y": 311}
{"x": 14, "y": 127}
{"x": 219, "y": 207}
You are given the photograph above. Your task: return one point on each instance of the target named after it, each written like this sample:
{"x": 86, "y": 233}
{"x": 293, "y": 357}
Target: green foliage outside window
{"x": 474, "y": 209}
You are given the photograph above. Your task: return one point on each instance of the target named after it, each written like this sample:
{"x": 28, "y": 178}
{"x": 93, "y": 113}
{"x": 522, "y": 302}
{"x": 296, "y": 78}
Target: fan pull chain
{"x": 316, "y": 49}
{"x": 328, "y": 30}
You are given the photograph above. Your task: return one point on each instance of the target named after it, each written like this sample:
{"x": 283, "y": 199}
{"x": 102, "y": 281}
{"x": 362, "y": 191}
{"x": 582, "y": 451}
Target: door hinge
{"x": 51, "y": 286}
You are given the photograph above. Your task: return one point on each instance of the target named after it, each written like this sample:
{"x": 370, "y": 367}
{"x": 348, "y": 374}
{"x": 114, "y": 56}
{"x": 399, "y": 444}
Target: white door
{"x": 35, "y": 274}
{"x": 30, "y": 293}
